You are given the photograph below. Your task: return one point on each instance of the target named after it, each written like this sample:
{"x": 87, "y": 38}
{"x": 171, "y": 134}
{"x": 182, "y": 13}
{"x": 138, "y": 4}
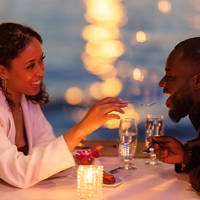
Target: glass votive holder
{"x": 90, "y": 181}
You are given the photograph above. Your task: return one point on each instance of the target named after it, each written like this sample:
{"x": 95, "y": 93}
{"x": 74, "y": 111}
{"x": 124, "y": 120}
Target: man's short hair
{"x": 190, "y": 51}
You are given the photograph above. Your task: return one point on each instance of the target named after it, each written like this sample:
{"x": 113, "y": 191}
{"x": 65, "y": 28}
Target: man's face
{"x": 176, "y": 85}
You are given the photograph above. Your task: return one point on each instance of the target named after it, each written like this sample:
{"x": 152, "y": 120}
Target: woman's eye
{"x": 31, "y": 66}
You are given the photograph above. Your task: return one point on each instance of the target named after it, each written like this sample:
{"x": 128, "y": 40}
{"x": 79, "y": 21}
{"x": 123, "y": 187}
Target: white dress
{"x": 47, "y": 154}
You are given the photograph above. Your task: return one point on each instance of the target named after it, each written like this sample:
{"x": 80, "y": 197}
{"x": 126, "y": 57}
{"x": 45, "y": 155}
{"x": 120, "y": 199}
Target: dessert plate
{"x": 118, "y": 182}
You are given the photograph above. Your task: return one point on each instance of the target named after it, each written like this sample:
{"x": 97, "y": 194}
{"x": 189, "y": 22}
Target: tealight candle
{"x": 89, "y": 181}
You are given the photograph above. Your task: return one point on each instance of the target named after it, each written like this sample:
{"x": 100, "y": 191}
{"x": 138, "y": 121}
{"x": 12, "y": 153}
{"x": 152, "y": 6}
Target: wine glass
{"x": 154, "y": 126}
{"x": 128, "y": 141}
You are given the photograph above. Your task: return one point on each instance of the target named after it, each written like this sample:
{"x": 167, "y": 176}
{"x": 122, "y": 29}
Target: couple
{"x": 29, "y": 151}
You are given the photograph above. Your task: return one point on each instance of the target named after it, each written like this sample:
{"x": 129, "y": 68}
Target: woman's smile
{"x": 36, "y": 84}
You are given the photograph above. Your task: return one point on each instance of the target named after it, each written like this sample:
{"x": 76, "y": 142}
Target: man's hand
{"x": 168, "y": 149}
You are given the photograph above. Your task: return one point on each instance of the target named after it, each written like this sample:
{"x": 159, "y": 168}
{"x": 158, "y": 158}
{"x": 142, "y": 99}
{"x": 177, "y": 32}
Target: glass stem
{"x": 126, "y": 165}
{"x": 153, "y": 158}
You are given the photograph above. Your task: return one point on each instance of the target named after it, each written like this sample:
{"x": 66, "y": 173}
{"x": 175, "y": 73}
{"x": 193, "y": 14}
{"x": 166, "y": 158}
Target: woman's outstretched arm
{"x": 96, "y": 117}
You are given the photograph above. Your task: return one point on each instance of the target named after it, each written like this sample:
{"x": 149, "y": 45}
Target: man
{"x": 182, "y": 84}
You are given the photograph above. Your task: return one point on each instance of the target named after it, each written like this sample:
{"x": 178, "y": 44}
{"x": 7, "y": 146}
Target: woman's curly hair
{"x": 13, "y": 40}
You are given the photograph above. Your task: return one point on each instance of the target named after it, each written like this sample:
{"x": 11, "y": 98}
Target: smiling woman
{"x": 29, "y": 150}
{"x": 26, "y": 72}
{"x": 14, "y": 40}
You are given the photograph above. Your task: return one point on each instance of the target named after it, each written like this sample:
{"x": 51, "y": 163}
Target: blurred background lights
{"x": 112, "y": 87}
{"x": 195, "y": 21}
{"x": 136, "y": 90}
{"x": 155, "y": 77}
{"x": 103, "y": 46}
{"x": 97, "y": 68}
{"x": 138, "y": 74}
{"x": 95, "y": 90}
{"x": 96, "y": 33}
{"x": 164, "y": 6}
{"x": 195, "y": 5}
{"x": 74, "y": 95}
{"x": 111, "y": 48}
{"x": 111, "y": 74}
{"x": 141, "y": 36}
{"x": 106, "y": 11}
{"x": 130, "y": 112}
{"x": 123, "y": 69}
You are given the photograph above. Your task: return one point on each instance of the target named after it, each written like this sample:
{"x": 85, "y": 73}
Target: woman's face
{"x": 26, "y": 71}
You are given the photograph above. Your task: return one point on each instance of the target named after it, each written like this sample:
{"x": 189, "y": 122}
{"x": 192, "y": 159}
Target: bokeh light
{"x": 138, "y": 74}
{"x": 96, "y": 66}
{"x": 95, "y": 90}
{"x": 103, "y": 45}
{"x": 124, "y": 69}
{"x": 111, "y": 74}
{"x": 130, "y": 112}
{"x": 195, "y": 22}
{"x": 74, "y": 95}
{"x": 164, "y": 6}
{"x": 112, "y": 87}
{"x": 105, "y": 49}
{"x": 141, "y": 36}
{"x": 96, "y": 33}
{"x": 105, "y": 11}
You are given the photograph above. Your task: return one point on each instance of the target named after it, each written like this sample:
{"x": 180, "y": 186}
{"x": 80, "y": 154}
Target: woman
{"x": 29, "y": 151}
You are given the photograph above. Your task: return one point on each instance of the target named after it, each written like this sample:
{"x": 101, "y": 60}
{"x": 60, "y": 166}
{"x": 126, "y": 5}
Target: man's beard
{"x": 181, "y": 105}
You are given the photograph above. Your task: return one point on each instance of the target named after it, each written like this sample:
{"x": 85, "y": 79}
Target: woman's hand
{"x": 168, "y": 149}
{"x": 97, "y": 115}
{"x": 100, "y": 112}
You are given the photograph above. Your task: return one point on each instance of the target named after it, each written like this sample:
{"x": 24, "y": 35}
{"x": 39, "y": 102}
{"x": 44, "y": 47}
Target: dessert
{"x": 87, "y": 157}
{"x": 108, "y": 178}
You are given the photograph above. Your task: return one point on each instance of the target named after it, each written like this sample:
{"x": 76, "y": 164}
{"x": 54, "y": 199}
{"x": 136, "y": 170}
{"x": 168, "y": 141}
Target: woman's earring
{"x": 4, "y": 84}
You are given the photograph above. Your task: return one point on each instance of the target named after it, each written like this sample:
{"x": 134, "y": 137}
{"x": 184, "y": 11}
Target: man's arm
{"x": 186, "y": 157}
{"x": 191, "y": 157}
{"x": 191, "y": 162}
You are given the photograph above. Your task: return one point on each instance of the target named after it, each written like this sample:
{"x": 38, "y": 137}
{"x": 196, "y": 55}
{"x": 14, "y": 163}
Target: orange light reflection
{"x": 105, "y": 11}
{"x": 112, "y": 87}
{"x": 138, "y": 74}
{"x": 105, "y": 49}
{"x": 74, "y": 95}
{"x": 164, "y": 6}
{"x": 103, "y": 45}
{"x": 141, "y": 36}
{"x": 129, "y": 112}
{"x": 95, "y": 90}
{"x": 96, "y": 33}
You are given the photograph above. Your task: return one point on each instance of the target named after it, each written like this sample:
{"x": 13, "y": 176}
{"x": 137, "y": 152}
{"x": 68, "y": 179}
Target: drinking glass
{"x": 154, "y": 126}
{"x": 128, "y": 141}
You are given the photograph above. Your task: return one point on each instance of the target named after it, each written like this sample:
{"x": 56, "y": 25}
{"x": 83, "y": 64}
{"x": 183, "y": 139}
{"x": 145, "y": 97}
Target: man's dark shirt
{"x": 193, "y": 168}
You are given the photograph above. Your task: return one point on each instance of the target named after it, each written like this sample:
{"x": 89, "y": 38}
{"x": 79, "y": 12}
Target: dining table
{"x": 146, "y": 182}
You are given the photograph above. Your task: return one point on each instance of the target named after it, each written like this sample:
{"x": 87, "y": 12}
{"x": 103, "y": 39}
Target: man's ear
{"x": 3, "y": 72}
{"x": 196, "y": 81}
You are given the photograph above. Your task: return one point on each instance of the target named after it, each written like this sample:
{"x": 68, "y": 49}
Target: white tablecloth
{"x": 144, "y": 183}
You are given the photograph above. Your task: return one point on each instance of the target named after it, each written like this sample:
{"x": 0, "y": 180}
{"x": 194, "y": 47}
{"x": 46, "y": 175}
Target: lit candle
{"x": 89, "y": 181}
{"x": 89, "y": 175}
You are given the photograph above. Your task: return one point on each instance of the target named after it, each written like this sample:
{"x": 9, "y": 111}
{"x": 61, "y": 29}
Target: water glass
{"x": 154, "y": 126}
{"x": 128, "y": 132}
{"x": 89, "y": 182}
